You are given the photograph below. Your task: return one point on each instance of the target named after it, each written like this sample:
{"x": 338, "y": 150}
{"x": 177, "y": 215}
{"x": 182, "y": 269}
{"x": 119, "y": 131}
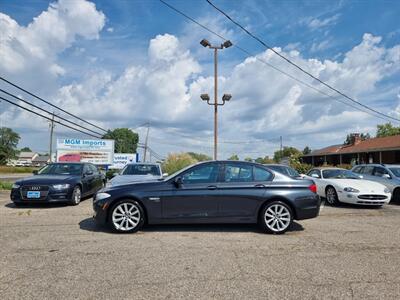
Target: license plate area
{"x": 33, "y": 194}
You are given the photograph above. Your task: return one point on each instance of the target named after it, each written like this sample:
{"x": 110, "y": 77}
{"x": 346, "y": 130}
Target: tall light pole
{"x": 205, "y": 97}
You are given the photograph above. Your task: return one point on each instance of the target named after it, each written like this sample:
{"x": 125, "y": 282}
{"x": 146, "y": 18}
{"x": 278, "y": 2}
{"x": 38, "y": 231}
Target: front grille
{"x": 372, "y": 197}
{"x": 43, "y": 189}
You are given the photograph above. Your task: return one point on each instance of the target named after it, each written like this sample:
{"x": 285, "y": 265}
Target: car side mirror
{"x": 315, "y": 175}
{"x": 35, "y": 172}
{"x": 88, "y": 173}
{"x": 178, "y": 182}
{"x": 165, "y": 175}
{"x": 387, "y": 176}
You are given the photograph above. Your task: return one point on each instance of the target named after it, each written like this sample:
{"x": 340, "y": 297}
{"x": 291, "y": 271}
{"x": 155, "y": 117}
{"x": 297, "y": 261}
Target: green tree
{"x": 177, "y": 161}
{"x": 286, "y": 152}
{"x": 26, "y": 149}
{"x": 125, "y": 140}
{"x": 387, "y": 130}
{"x": 265, "y": 160}
{"x": 234, "y": 157}
{"x": 248, "y": 159}
{"x": 199, "y": 156}
{"x": 306, "y": 150}
{"x": 8, "y": 144}
{"x": 350, "y": 138}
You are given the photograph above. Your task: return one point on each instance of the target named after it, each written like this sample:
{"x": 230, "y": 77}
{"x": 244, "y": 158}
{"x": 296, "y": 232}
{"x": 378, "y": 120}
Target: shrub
{"x": 177, "y": 161}
{"x": 5, "y": 185}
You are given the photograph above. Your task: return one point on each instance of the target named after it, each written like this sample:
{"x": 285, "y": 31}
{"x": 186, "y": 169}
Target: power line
{"x": 35, "y": 106}
{"x": 297, "y": 66}
{"x": 48, "y": 118}
{"x": 47, "y": 102}
{"x": 270, "y": 65}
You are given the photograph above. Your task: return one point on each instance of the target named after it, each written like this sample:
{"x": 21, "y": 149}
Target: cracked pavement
{"x": 58, "y": 252}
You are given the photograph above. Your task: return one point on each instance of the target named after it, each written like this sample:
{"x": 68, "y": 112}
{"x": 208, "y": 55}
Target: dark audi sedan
{"x": 210, "y": 192}
{"x": 58, "y": 182}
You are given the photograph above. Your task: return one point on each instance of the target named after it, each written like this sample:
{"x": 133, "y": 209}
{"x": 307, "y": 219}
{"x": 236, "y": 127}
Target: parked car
{"x": 388, "y": 175}
{"x": 284, "y": 170}
{"x": 210, "y": 192}
{"x": 137, "y": 172}
{"x": 341, "y": 185}
{"x": 58, "y": 182}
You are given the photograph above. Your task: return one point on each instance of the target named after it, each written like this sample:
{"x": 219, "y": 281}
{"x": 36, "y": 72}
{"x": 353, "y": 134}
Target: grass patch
{"x": 10, "y": 169}
{"x": 5, "y": 185}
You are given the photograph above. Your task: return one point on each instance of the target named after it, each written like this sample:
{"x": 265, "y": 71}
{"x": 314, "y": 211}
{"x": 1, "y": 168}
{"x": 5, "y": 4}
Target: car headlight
{"x": 15, "y": 186}
{"x": 351, "y": 190}
{"x": 386, "y": 190}
{"x": 61, "y": 186}
{"x": 101, "y": 196}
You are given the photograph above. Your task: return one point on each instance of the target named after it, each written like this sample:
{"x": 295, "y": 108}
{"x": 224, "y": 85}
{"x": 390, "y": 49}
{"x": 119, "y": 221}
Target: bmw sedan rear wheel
{"x": 276, "y": 217}
{"x": 127, "y": 216}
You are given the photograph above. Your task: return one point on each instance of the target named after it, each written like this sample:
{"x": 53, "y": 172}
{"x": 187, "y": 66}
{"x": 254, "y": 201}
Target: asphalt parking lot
{"x": 58, "y": 252}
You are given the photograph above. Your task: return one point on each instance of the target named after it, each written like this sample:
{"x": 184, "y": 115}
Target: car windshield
{"x": 285, "y": 170}
{"x": 61, "y": 169}
{"x": 395, "y": 171}
{"x": 140, "y": 169}
{"x": 339, "y": 174}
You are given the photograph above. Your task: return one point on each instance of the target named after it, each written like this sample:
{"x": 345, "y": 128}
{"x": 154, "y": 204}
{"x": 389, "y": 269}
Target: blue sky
{"x": 341, "y": 41}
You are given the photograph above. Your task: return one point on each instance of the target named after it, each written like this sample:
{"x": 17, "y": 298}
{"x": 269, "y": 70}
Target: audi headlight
{"x": 386, "y": 190}
{"x": 61, "y": 186}
{"x": 15, "y": 186}
{"x": 101, "y": 196}
{"x": 351, "y": 190}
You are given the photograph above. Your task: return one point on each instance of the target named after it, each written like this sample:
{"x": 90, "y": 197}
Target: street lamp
{"x": 205, "y": 97}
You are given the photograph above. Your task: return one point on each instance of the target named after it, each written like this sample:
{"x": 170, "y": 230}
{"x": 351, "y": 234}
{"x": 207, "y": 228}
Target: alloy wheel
{"x": 277, "y": 218}
{"x": 126, "y": 216}
{"x": 331, "y": 196}
{"x": 77, "y": 195}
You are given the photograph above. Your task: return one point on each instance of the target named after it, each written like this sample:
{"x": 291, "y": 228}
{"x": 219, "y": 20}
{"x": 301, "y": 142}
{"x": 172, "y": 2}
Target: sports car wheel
{"x": 127, "y": 216}
{"x": 76, "y": 196}
{"x": 276, "y": 217}
{"x": 331, "y": 196}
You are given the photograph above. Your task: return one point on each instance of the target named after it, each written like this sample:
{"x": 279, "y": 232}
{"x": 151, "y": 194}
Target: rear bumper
{"x": 307, "y": 207}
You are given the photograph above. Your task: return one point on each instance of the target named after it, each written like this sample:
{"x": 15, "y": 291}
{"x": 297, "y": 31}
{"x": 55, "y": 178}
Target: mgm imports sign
{"x": 99, "y": 152}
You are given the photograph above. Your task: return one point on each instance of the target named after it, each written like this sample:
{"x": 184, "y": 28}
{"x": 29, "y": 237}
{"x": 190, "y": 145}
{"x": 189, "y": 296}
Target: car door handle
{"x": 212, "y": 187}
{"x": 260, "y": 186}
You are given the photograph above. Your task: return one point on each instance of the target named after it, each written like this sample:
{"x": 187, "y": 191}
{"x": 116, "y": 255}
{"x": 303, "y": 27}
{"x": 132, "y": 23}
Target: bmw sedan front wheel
{"x": 127, "y": 216}
{"x": 276, "y": 217}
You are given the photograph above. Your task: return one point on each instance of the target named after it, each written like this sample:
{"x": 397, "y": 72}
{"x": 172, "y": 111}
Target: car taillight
{"x": 313, "y": 188}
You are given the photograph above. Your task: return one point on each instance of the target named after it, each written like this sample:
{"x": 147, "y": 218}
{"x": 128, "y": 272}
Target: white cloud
{"x": 316, "y": 23}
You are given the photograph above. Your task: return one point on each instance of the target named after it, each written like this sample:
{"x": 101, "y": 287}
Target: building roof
{"x": 369, "y": 145}
{"x": 41, "y": 158}
{"x": 28, "y": 155}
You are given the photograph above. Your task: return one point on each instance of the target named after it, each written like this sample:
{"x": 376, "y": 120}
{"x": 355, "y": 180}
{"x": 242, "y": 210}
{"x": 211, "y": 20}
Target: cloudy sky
{"x": 123, "y": 63}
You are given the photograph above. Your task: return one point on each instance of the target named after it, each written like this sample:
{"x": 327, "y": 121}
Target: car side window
{"x": 357, "y": 169}
{"x": 201, "y": 174}
{"x": 262, "y": 174}
{"x": 379, "y": 171}
{"x": 86, "y": 169}
{"x": 238, "y": 173}
{"x": 368, "y": 170}
{"x": 94, "y": 169}
{"x": 314, "y": 172}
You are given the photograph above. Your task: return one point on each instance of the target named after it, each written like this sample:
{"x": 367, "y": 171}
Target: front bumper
{"x": 100, "y": 212}
{"x": 364, "y": 199}
{"x": 49, "y": 196}
{"x": 307, "y": 207}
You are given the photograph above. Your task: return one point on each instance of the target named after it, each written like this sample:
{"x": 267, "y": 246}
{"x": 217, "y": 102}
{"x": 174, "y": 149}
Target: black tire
{"x": 76, "y": 195}
{"x": 331, "y": 196}
{"x": 396, "y": 196}
{"x": 126, "y": 216}
{"x": 276, "y": 217}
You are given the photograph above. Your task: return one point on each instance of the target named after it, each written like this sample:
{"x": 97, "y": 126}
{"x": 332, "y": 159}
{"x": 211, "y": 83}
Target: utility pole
{"x": 146, "y": 142}
{"x": 281, "y": 148}
{"x": 51, "y": 136}
{"x": 226, "y": 44}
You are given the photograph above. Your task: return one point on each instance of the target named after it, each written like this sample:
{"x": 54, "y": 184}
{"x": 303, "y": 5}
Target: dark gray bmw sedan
{"x": 210, "y": 192}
